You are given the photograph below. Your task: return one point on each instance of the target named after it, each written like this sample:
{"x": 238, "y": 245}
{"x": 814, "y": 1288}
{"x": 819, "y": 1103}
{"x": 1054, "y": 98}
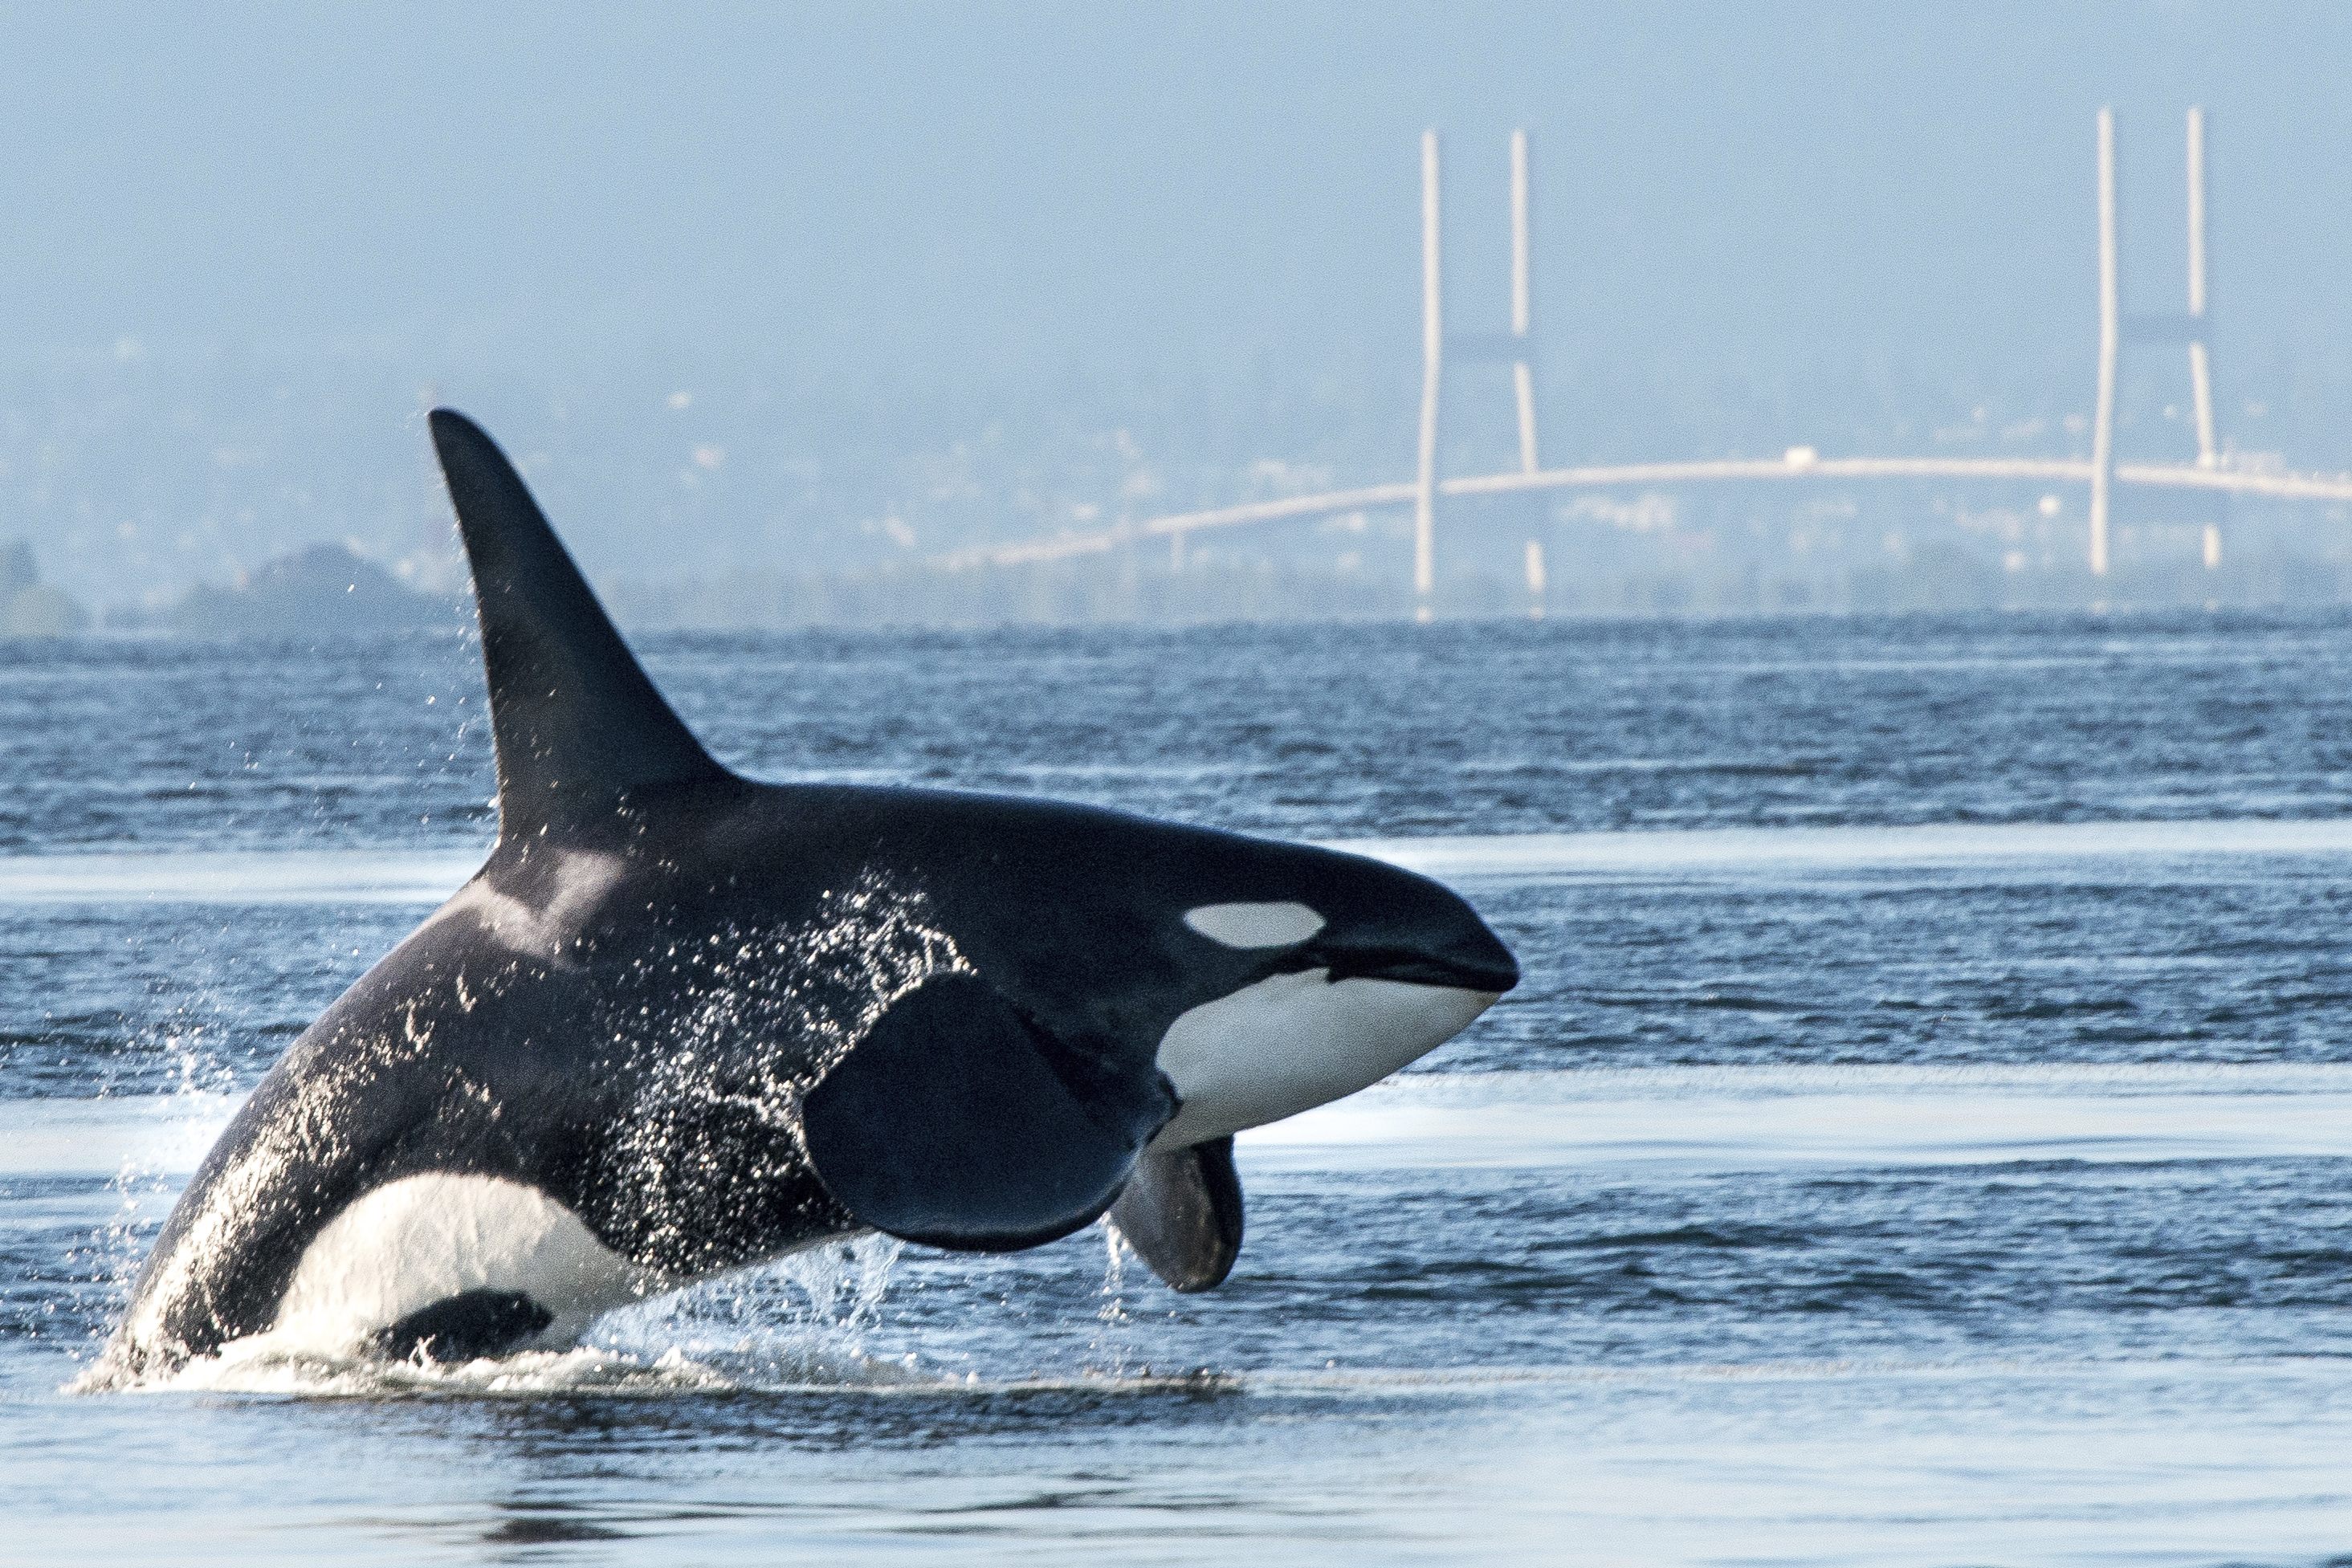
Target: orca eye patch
{"x": 1255, "y": 925}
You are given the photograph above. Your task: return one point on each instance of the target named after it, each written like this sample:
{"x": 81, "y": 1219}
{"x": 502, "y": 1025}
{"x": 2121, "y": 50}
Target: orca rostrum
{"x": 681, "y": 1022}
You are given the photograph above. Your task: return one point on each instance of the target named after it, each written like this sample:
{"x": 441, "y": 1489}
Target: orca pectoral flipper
{"x": 948, "y": 1124}
{"x": 1182, "y": 1212}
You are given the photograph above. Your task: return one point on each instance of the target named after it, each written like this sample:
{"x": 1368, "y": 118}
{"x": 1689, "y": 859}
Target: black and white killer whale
{"x": 681, "y": 1022}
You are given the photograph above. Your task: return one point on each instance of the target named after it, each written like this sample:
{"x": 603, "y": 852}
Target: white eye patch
{"x": 1255, "y": 925}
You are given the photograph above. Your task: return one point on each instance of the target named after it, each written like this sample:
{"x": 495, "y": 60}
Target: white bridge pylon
{"x": 1426, "y": 490}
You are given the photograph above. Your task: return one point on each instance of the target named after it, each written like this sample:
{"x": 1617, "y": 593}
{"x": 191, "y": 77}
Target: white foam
{"x": 263, "y": 1364}
{"x": 778, "y": 1364}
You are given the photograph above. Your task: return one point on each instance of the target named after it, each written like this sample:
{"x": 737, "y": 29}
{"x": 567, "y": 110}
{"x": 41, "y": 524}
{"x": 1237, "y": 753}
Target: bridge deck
{"x": 2177, "y": 475}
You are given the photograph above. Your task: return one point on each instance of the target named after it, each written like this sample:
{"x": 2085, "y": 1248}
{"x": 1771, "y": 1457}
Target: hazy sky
{"x": 526, "y": 204}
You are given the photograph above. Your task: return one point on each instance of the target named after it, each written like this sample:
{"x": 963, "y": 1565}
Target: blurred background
{"x": 776, "y": 306}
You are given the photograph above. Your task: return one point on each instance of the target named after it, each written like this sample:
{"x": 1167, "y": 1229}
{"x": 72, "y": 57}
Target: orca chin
{"x": 1294, "y": 1042}
{"x": 681, "y": 1022}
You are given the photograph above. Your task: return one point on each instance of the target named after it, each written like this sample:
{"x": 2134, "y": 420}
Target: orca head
{"x": 1347, "y": 969}
{"x": 1258, "y": 978}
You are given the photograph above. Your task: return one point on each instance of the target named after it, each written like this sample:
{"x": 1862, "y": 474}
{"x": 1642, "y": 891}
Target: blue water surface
{"x": 1892, "y": 1205}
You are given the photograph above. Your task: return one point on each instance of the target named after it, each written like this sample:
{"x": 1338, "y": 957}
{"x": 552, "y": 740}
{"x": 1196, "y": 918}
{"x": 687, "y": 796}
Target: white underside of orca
{"x": 1292, "y": 1042}
{"x": 424, "y": 1238}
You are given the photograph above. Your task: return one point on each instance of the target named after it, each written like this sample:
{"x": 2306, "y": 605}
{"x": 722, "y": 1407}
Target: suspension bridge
{"x": 2212, "y": 471}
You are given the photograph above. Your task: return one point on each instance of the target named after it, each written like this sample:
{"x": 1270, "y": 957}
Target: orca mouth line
{"x": 1411, "y": 968}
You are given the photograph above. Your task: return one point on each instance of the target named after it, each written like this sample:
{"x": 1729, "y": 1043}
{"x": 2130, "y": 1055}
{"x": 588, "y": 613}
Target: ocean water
{"x": 1922, "y": 1135}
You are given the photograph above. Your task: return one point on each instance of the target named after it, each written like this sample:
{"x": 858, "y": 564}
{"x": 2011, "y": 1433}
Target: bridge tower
{"x": 2115, "y": 329}
{"x": 1515, "y": 348}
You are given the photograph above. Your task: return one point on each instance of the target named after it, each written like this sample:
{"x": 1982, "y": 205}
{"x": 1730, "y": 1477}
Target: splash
{"x": 817, "y": 1322}
{"x": 1110, "y": 1349}
{"x": 798, "y": 1323}
{"x": 802, "y": 1320}
{"x": 257, "y": 1365}
{"x": 167, "y": 1136}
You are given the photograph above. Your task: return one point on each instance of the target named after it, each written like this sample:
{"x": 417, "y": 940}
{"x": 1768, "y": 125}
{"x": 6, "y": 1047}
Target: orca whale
{"x": 681, "y": 1022}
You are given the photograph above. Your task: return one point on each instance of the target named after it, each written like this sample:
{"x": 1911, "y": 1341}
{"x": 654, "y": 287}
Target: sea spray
{"x": 800, "y": 1320}
{"x": 1110, "y": 1349}
{"x": 794, "y": 1323}
{"x": 198, "y": 1105}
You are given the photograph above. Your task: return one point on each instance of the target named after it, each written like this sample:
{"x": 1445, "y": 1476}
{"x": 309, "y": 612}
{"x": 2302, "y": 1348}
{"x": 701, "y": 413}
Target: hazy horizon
{"x": 808, "y": 290}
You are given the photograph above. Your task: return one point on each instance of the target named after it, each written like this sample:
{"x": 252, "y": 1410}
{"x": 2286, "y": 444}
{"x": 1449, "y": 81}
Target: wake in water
{"x": 797, "y": 1323}
{"x": 800, "y": 1324}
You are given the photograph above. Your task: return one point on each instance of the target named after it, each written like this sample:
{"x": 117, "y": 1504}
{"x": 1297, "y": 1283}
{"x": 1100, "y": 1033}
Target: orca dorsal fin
{"x": 579, "y": 726}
